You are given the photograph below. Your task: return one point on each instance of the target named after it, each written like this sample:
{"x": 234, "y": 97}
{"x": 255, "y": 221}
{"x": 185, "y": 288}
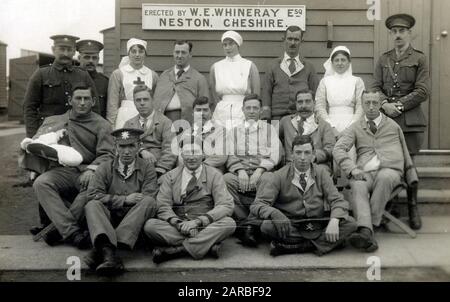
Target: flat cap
{"x": 89, "y": 46}
{"x": 400, "y": 20}
{"x": 64, "y": 40}
{"x": 126, "y": 136}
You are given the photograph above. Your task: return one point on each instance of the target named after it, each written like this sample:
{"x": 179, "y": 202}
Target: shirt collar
{"x": 308, "y": 120}
{"x": 149, "y": 118}
{"x": 251, "y": 124}
{"x": 176, "y": 69}
{"x": 131, "y": 168}
{"x": 143, "y": 70}
{"x": 307, "y": 173}
{"x": 377, "y": 120}
{"x": 206, "y": 127}
{"x": 287, "y": 58}
{"x": 60, "y": 67}
{"x": 198, "y": 171}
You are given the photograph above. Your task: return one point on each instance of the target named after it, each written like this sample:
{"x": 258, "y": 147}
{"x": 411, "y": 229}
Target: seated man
{"x": 305, "y": 122}
{"x": 302, "y": 210}
{"x": 87, "y": 133}
{"x": 121, "y": 199}
{"x": 157, "y": 136}
{"x": 211, "y": 134}
{"x": 193, "y": 210}
{"x": 257, "y": 148}
{"x": 382, "y": 159}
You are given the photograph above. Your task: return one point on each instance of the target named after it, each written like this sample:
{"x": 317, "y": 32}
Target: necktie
{"x": 125, "y": 171}
{"x": 292, "y": 66}
{"x": 191, "y": 184}
{"x": 144, "y": 123}
{"x": 372, "y": 126}
{"x": 179, "y": 73}
{"x": 300, "y": 124}
{"x": 302, "y": 181}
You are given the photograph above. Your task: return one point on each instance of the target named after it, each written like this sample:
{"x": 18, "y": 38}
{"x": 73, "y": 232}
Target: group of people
{"x": 170, "y": 161}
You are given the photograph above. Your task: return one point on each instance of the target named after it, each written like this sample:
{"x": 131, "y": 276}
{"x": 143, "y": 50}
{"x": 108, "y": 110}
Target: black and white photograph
{"x": 237, "y": 144}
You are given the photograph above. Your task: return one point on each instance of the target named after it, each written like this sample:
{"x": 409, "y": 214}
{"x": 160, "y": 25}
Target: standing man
{"x": 286, "y": 76}
{"x": 50, "y": 87}
{"x": 89, "y": 56}
{"x": 402, "y": 78}
{"x": 121, "y": 199}
{"x": 179, "y": 86}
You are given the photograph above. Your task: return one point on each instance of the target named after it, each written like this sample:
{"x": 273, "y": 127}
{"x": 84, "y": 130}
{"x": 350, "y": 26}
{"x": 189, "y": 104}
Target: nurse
{"x": 231, "y": 79}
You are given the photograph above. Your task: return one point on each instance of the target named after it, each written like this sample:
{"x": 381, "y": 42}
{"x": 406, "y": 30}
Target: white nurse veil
{"x": 329, "y": 70}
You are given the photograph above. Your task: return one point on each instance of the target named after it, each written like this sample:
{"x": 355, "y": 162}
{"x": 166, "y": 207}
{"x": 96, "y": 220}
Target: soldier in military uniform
{"x": 49, "y": 91}
{"x": 50, "y": 87}
{"x": 89, "y": 56}
{"x": 402, "y": 77}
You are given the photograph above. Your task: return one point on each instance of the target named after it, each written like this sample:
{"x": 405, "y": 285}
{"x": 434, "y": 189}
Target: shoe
{"x": 81, "y": 240}
{"x": 363, "y": 240}
{"x": 162, "y": 254}
{"x": 34, "y": 230}
{"x": 280, "y": 248}
{"x": 52, "y": 237}
{"x": 247, "y": 237}
{"x": 111, "y": 265}
{"x": 93, "y": 258}
{"x": 214, "y": 251}
{"x": 415, "y": 222}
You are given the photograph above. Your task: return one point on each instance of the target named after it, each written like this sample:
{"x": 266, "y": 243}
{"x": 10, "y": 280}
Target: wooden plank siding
{"x": 351, "y": 28}
{"x": 3, "y": 82}
{"x": 109, "y": 63}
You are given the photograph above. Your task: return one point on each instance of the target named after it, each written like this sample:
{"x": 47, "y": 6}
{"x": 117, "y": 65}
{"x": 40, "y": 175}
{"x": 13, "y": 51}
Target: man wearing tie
{"x": 286, "y": 76}
{"x": 301, "y": 209}
{"x": 158, "y": 136}
{"x": 194, "y": 209}
{"x": 305, "y": 122}
{"x": 382, "y": 164}
{"x": 179, "y": 86}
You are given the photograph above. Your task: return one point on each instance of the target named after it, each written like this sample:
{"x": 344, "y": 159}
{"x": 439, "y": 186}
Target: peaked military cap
{"x": 400, "y": 20}
{"x": 126, "y": 136}
{"x": 66, "y": 40}
{"x": 89, "y": 46}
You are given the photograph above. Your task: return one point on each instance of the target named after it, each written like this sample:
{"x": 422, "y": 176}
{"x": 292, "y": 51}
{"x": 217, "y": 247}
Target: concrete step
{"x": 396, "y": 251}
{"x": 434, "y": 177}
{"x": 435, "y": 158}
{"x": 431, "y": 201}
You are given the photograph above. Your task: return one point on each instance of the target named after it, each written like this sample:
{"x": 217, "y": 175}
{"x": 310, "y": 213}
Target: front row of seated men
{"x": 196, "y": 206}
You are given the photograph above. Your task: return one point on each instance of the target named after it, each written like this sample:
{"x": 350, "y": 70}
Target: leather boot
{"x": 162, "y": 254}
{"x": 415, "y": 222}
{"x": 111, "y": 265}
{"x": 247, "y": 236}
{"x": 93, "y": 258}
{"x": 280, "y": 248}
{"x": 363, "y": 240}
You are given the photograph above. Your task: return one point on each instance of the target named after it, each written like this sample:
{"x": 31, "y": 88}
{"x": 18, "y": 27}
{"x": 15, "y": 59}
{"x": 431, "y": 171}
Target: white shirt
{"x": 149, "y": 120}
{"x": 309, "y": 126}
{"x": 129, "y": 171}
{"x": 284, "y": 65}
{"x": 296, "y": 179}
{"x": 176, "y": 70}
{"x": 206, "y": 128}
{"x": 186, "y": 177}
{"x": 374, "y": 163}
